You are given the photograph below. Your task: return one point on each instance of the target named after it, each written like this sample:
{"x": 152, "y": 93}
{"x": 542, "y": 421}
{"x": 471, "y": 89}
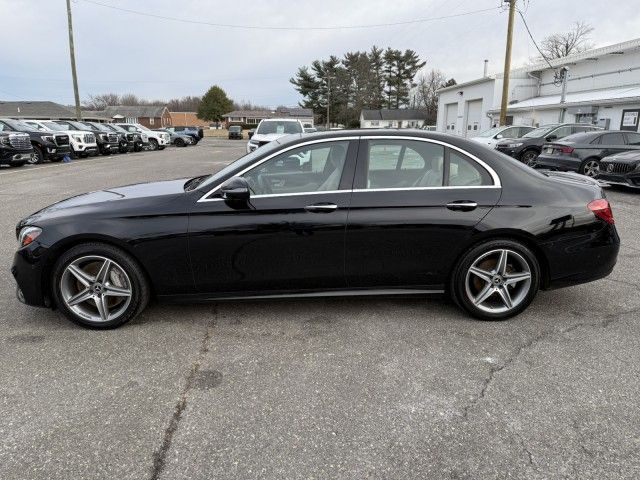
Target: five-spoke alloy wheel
{"x": 496, "y": 280}
{"x": 99, "y": 286}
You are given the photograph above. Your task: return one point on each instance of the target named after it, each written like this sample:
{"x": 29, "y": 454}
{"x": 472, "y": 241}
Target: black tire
{"x": 83, "y": 155}
{"x": 17, "y": 164}
{"x": 153, "y": 144}
{"x": 180, "y": 143}
{"x": 162, "y": 147}
{"x": 590, "y": 167}
{"x": 460, "y": 293}
{"x": 140, "y": 288}
{"x": 38, "y": 157}
{"x": 528, "y": 157}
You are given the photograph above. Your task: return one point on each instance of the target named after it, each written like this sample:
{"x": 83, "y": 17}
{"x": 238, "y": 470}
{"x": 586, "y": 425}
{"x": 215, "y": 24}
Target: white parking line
{"x": 26, "y": 169}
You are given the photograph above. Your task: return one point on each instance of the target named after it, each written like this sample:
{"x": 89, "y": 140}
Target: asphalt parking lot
{"x": 325, "y": 388}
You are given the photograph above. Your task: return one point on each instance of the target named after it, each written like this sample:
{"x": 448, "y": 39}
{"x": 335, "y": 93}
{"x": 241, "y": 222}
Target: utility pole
{"x": 328, "y": 99}
{"x": 564, "y": 71}
{"x": 72, "y": 54}
{"x": 507, "y": 63}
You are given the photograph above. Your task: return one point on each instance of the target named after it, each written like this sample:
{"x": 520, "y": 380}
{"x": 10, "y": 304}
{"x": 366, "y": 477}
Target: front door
{"x": 415, "y": 203}
{"x": 289, "y": 236}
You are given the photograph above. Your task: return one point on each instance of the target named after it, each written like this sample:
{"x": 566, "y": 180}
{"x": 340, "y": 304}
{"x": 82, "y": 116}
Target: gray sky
{"x": 123, "y": 52}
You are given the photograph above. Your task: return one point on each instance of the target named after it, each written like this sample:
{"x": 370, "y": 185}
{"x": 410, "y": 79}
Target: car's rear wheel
{"x": 496, "y": 279}
{"x": 153, "y": 143}
{"x": 99, "y": 286}
{"x": 529, "y": 157}
{"x": 180, "y": 142}
{"x": 590, "y": 167}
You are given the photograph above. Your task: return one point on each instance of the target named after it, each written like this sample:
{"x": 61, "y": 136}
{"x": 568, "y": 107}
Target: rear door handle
{"x": 321, "y": 207}
{"x": 462, "y": 205}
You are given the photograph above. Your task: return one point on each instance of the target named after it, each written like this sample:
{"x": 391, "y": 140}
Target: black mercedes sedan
{"x": 582, "y": 152}
{"x": 360, "y": 212}
{"x": 621, "y": 169}
{"x": 528, "y": 147}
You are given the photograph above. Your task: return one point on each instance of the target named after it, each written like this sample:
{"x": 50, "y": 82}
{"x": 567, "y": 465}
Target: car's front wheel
{"x": 153, "y": 143}
{"x": 496, "y": 279}
{"x": 99, "y": 286}
{"x": 529, "y": 157}
{"x": 37, "y": 157}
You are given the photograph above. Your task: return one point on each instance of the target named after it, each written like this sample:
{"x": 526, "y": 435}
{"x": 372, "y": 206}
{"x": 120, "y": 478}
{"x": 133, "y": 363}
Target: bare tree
{"x": 425, "y": 97}
{"x": 99, "y": 102}
{"x": 575, "y": 40}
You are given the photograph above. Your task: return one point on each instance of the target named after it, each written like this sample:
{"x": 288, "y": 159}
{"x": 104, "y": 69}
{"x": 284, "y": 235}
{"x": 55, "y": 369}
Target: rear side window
{"x": 612, "y": 139}
{"x": 464, "y": 172}
{"x": 404, "y": 164}
{"x": 633, "y": 138}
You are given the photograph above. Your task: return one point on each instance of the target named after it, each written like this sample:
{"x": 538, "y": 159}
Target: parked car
{"x": 582, "y": 152}
{"x": 310, "y": 129}
{"x": 15, "y": 148}
{"x": 140, "y": 139}
{"x": 528, "y": 147}
{"x": 99, "y": 257}
{"x": 194, "y": 132}
{"x": 235, "y": 132}
{"x": 83, "y": 143}
{"x": 177, "y": 139}
{"x": 46, "y": 145}
{"x": 272, "y": 129}
{"x": 621, "y": 169}
{"x": 492, "y": 136}
{"x": 107, "y": 143}
{"x": 127, "y": 141}
{"x": 157, "y": 140}
{"x": 251, "y": 132}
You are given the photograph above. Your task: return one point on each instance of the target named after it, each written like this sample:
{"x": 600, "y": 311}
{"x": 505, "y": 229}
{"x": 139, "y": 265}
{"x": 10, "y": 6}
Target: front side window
{"x": 311, "y": 168}
{"x": 464, "y": 172}
{"x": 404, "y": 164}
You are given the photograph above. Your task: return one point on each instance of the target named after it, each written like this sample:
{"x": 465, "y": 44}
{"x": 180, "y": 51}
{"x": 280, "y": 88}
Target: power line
{"x": 533, "y": 39}
{"x": 292, "y": 28}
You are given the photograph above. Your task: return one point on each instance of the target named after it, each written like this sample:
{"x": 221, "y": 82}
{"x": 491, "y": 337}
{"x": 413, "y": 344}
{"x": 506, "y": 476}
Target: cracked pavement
{"x": 320, "y": 388}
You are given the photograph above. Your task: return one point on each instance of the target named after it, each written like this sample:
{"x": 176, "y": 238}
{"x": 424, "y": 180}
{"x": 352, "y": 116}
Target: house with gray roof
{"x": 253, "y": 117}
{"x": 392, "y": 118}
{"x": 151, "y": 116}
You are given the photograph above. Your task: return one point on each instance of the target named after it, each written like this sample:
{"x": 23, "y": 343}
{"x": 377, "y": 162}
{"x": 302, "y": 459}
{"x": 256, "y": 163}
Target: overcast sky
{"x": 122, "y": 52}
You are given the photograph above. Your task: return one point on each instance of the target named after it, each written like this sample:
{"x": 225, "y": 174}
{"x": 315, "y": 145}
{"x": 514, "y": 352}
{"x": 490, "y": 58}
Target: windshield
{"x": 280, "y": 127}
{"x": 117, "y": 128}
{"x": 102, "y": 127}
{"x": 540, "y": 132}
{"x": 234, "y": 129}
{"x": 18, "y": 125}
{"x": 491, "y": 132}
{"x": 239, "y": 163}
{"x": 54, "y": 126}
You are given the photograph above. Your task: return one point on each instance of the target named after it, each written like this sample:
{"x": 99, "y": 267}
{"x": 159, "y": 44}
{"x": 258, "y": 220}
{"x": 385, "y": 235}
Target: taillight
{"x": 602, "y": 210}
{"x": 566, "y": 149}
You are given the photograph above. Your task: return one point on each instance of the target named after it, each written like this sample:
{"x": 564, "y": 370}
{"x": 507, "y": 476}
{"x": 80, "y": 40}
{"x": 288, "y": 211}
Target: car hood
{"x": 109, "y": 200}
{"x": 632, "y": 156}
{"x": 267, "y": 138}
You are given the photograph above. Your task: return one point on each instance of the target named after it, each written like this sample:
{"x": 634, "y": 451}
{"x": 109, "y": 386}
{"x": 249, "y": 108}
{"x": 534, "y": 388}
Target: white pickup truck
{"x": 157, "y": 140}
{"x": 83, "y": 143}
{"x": 272, "y": 129}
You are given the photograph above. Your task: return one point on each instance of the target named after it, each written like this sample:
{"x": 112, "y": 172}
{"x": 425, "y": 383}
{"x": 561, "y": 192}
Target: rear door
{"x": 415, "y": 203}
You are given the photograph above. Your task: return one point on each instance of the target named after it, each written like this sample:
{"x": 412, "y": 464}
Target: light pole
{"x": 329, "y": 77}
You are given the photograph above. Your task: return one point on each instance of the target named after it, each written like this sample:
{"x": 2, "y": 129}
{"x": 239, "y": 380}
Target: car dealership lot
{"x": 324, "y": 388}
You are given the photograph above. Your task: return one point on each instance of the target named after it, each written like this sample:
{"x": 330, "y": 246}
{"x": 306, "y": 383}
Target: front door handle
{"x": 462, "y": 205}
{"x": 321, "y": 207}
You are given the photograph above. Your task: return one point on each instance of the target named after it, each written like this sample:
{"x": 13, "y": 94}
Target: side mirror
{"x": 236, "y": 188}
{"x": 551, "y": 138}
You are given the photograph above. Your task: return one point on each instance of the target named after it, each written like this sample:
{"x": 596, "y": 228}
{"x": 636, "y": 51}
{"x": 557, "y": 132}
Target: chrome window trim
{"x": 494, "y": 176}
{"x": 269, "y": 157}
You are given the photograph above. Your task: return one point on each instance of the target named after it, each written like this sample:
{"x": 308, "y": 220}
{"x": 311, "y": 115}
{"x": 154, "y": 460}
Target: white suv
{"x": 272, "y": 129}
{"x": 83, "y": 143}
{"x": 157, "y": 140}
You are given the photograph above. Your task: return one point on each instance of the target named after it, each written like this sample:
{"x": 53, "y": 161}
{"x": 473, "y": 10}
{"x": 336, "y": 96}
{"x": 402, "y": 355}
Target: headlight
{"x": 77, "y": 138}
{"x": 47, "y": 138}
{"x": 104, "y": 136}
{"x": 514, "y": 145}
{"x": 28, "y": 235}
{"x": 4, "y": 141}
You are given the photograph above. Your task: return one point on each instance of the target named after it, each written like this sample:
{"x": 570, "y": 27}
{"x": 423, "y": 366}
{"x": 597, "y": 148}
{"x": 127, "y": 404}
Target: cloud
{"x": 159, "y": 59}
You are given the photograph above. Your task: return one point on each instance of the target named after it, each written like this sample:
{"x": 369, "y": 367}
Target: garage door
{"x": 473, "y": 118}
{"x": 451, "y": 115}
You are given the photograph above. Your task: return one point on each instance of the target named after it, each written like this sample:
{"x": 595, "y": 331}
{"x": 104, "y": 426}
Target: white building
{"x": 390, "y": 118}
{"x": 603, "y": 88}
